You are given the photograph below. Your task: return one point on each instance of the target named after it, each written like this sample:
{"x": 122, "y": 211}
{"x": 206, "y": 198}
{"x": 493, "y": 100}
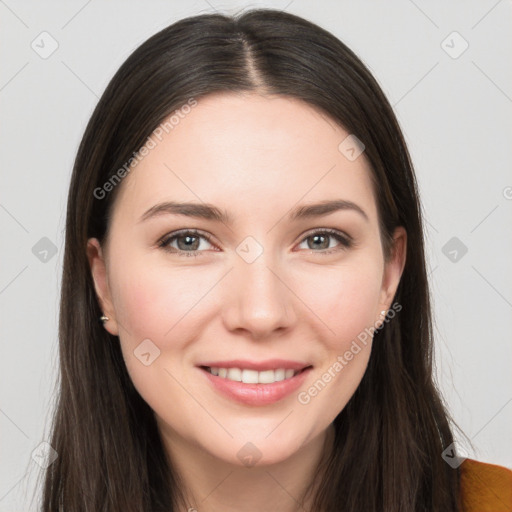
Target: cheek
{"x": 348, "y": 310}
{"x": 149, "y": 304}
{"x": 140, "y": 307}
{"x": 151, "y": 301}
{"x": 345, "y": 298}
{"x": 347, "y": 305}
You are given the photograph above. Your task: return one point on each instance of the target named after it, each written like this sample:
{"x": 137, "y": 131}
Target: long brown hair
{"x": 390, "y": 436}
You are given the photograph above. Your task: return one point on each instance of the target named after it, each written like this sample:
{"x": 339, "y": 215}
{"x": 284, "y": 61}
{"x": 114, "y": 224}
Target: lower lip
{"x": 256, "y": 394}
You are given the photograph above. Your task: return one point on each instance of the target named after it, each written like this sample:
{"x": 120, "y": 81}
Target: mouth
{"x": 255, "y": 384}
{"x": 249, "y": 376}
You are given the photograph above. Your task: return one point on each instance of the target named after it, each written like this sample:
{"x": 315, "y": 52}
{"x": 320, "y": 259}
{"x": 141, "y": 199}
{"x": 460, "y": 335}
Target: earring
{"x": 104, "y": 318}
{"x": 380, "y": 322}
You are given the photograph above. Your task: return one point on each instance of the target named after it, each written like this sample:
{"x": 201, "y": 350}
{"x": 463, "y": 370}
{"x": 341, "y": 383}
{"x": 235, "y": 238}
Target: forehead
{"x": 246, "y": 153}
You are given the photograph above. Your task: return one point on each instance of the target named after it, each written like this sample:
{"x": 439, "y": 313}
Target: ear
{"x": 393, "y": 270}
{"x": 99, "y": 275}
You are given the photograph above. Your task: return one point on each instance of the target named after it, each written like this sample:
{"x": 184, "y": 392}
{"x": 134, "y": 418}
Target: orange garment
{"x": 485, "y": 487}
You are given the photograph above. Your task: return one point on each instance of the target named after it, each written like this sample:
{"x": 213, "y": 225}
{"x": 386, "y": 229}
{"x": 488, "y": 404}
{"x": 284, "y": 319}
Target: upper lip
{"x": 269, "y": 364}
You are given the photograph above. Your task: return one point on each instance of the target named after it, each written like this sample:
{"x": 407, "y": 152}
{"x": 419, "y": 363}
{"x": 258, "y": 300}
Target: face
{"x": 256, "y": 287}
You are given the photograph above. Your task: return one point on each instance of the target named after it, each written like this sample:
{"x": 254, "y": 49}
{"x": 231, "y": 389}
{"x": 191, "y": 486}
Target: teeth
{"x": 234, "y": 374}
{"x": 253, "y": 376}
{"x": 279, "y": 374}
{"x": 266, "y": 377}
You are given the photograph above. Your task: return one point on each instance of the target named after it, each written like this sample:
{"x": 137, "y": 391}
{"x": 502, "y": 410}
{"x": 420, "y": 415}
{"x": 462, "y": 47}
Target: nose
{"x": 258, "y": 299}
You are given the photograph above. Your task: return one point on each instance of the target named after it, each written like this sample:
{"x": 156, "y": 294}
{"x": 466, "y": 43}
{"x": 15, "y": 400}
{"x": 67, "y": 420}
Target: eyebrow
{"x": 211, "y": 212}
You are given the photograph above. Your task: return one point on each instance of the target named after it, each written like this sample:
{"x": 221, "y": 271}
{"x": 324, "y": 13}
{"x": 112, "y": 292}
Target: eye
{"x": 320, "y": 239}
{"x": 188, "y": 242}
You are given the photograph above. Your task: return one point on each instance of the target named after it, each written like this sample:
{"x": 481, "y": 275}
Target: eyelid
{"x": 330, "y": 231}
{"x": 344, "y": 239}
{"x": 164, "y": 241}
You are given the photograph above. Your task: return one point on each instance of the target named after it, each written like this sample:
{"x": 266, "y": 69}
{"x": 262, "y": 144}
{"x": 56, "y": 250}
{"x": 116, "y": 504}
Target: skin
{"x": 257, "y": 157}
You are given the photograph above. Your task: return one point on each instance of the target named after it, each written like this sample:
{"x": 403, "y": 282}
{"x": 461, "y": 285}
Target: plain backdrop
{"x": 446, "y": 68}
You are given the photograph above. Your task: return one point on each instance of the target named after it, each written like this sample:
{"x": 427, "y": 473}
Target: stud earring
{"x": 380, "y": 321}
{"x": 104, "y": 318}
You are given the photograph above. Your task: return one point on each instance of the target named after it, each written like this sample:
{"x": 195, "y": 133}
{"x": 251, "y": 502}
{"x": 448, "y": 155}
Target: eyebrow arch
{"x": 324, "y": 208}
{"x": 210, "y": 212}
{"x": 199, "y": 210}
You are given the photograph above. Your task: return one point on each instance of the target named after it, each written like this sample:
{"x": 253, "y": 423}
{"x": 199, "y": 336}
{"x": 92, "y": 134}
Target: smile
{"x": 248, "y": 376}
{"x": 255, "y": 383}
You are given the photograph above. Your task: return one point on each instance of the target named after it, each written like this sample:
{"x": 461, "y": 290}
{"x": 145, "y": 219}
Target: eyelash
{"x": 345, "y": 241}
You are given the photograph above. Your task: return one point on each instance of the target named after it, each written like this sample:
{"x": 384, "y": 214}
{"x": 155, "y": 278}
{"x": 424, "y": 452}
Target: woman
{"x": 244, "y": 220}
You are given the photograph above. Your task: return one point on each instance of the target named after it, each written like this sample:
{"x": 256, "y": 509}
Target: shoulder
{"x": 485, "y": 487}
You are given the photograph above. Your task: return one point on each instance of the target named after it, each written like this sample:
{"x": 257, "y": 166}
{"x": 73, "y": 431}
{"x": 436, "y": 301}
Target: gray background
{"x": 455, "y": 109}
